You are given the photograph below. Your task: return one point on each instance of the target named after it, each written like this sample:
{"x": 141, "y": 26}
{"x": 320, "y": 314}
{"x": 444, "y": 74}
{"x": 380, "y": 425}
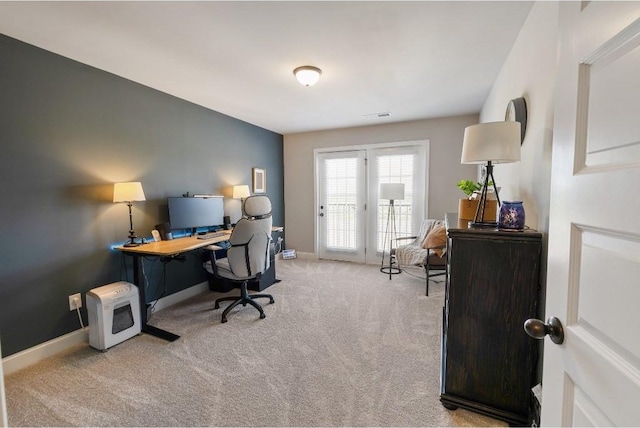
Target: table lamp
{"x": 390, "y": 191}
{"x": 241, "y": 191}
{"x": 129, "y": 192}
{"x": 491, "y": 142}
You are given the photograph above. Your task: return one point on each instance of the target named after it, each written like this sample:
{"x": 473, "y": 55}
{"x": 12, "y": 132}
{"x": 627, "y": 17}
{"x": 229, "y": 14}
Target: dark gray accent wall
{"x": 68, "y": 131}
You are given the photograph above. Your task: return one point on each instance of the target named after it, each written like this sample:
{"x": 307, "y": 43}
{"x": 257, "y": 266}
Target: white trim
{"x": 181, "y": 295}
{"x": 370, "y": 146}
{"x": 3, "y": 403}
{"x": 299, "y": 255}
{"x": 307, "y": 256}
{"x": 45, "y": 350}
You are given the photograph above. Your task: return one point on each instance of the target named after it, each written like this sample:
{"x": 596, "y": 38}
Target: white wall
{"x": 529, "y": 71}
{"x": 445, "y": 137}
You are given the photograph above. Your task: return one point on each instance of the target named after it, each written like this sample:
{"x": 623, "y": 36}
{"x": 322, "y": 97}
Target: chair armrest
{"x": 439, "y": 247}
{"x": 405, "y": 237}
{"x": 212, "y": 257}
{"x": 434, "y": 251}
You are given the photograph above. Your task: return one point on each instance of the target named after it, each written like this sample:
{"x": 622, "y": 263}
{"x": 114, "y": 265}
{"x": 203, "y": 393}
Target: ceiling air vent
{"x": 378, "y": 115}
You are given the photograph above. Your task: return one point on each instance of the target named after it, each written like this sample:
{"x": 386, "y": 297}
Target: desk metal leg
{"x": 146, "y": 328}
{"x": 158, "y": 332}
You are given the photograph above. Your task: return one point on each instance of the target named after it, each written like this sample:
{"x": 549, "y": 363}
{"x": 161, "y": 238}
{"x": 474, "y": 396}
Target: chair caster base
{"x": 244, "y": 299}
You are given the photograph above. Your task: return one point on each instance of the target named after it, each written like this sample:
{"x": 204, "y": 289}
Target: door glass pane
{"x": 341, "y": 197}
{"x": 396, "y": 169}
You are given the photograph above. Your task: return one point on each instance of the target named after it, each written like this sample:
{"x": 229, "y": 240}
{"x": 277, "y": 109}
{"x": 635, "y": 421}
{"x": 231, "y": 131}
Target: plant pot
{"x": 467, "y": 209}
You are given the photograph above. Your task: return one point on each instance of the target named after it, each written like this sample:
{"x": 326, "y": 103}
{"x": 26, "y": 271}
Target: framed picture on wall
{"x": 259, "y": 180}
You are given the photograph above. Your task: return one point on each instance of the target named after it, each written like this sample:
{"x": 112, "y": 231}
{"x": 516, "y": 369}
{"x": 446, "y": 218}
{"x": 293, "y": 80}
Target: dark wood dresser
{"x": 489, "y": 364}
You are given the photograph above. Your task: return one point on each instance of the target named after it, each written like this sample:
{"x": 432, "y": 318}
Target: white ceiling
{"x": 415, "y": 60}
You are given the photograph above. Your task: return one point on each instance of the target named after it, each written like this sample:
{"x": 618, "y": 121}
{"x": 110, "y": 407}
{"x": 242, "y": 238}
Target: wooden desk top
{"x": 178, "y": 245}
{"x": 173, "y": 246}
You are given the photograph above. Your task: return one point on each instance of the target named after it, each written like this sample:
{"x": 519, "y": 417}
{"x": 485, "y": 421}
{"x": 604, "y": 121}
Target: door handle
{"x": 321, "y": 214}
{"x": 538, "y": 330}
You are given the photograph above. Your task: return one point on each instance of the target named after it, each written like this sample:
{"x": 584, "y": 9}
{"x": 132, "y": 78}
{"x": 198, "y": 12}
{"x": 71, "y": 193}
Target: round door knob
{"x": 538, "y": 329}
{"x": 321, "y": 214}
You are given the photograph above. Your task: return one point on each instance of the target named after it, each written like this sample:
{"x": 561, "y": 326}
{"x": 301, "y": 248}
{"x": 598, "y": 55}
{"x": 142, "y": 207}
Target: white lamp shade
{"x": 498, "y": 142}
{"x": 307, "y": 75}
{"x": 241, "y": 191}
{"x": 128, "y": 192}
{"x": 392, "y": 191}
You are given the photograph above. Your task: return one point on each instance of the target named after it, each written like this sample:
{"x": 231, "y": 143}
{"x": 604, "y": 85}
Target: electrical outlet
{"x": 75, "y": 301}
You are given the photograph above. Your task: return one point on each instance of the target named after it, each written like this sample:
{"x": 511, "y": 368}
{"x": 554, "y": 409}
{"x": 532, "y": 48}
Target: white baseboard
{"x": 300, "y": 255}
{"x": 3, "y": 403}
{"x": 45, "y": 350}
{"x": 181, "y": 295}
{"x": 308, "y": 256}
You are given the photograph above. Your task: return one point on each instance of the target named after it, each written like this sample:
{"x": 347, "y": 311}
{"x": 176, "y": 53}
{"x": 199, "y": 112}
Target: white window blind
{"x": 341, "y": 196}
{"x": 398, "y": 168}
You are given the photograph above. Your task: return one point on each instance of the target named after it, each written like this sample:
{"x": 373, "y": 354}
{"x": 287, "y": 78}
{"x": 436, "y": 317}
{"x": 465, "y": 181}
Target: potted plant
{"x": 468, "y": 206}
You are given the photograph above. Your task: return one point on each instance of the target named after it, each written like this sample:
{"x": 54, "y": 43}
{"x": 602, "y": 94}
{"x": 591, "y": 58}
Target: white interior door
{"x": 341, "y": 205}
{"x": 593, "y": 285}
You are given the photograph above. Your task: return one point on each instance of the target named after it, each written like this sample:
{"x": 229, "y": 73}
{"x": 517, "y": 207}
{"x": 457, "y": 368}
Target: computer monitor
{"x": 195, "y": 212}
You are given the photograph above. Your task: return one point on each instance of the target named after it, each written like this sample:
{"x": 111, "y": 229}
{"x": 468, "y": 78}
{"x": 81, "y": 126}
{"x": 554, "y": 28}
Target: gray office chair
{"x": 248, "y": 257}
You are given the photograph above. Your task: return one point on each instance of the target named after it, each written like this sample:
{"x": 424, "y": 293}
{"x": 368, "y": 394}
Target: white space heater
{"x": 114, "y": 314}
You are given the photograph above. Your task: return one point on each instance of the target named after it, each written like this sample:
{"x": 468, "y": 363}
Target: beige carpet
{"x": 341, "y": 346}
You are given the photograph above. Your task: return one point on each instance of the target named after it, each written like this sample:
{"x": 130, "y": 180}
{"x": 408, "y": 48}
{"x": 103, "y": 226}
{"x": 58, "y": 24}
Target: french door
{"x": 341, "y": 205}
{"x": 351, "y": 218}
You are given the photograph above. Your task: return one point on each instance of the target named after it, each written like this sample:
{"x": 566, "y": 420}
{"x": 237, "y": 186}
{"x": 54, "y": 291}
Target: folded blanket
{"x": 413, "y": 253}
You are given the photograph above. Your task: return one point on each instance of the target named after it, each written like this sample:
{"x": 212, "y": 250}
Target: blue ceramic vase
{"x": 511, "y": 215}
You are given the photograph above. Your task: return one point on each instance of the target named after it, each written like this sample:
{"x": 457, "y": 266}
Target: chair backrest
{"x": 248, "y": 255}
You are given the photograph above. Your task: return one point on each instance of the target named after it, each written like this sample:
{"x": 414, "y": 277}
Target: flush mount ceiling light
{"x": 307, "y": 75}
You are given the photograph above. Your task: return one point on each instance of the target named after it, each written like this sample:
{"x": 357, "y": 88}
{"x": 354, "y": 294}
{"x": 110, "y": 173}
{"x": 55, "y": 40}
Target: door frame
{"x": 424, "y": 144}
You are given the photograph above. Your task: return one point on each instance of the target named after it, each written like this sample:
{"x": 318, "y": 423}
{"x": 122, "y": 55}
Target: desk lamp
{"x": 492, "y": 142}
{"x": 390, "y": 191}
{"x": 129, "y": 192}
{"x": 241, "y": 192}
